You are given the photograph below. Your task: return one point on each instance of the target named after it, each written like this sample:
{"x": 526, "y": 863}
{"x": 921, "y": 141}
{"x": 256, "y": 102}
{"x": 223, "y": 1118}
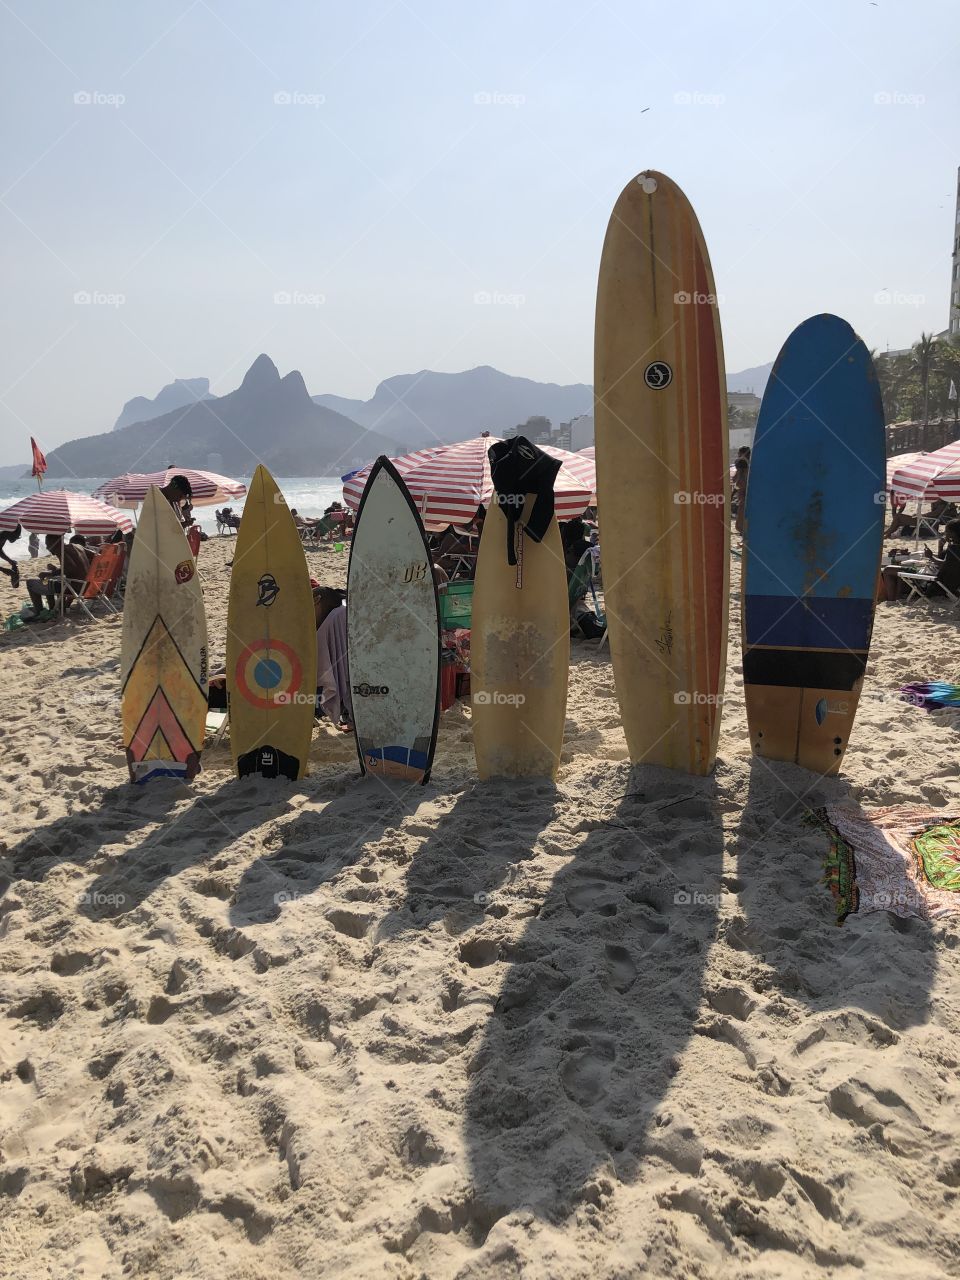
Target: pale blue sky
{"x": 434, "y": 151}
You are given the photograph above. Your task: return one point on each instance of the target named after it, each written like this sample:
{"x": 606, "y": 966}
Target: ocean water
{"x": 310, "y": 495}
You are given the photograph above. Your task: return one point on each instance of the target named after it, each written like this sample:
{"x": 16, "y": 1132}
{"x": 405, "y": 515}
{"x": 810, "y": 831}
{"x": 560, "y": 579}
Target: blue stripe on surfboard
{"x": 808, "y": 623}
{"x": 813, "y": 520}
{"x": 399, "y": 755}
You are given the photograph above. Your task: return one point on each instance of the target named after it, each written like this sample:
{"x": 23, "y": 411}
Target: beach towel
{"x": 902, "y": 858}
{"x": 932, "y": 695}
{"x": 332, "y": 674}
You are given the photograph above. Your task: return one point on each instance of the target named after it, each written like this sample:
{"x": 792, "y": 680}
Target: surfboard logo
{"x": 658, "y": 375}
{"x": 825, "y": 708}
{"x": 267, "y": 590}
{"x": 184, "y": 571}
{"x": 371, "y": 690}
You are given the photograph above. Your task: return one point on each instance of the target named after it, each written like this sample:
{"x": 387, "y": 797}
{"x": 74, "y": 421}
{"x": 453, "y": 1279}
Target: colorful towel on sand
{"x": 932, "y": 694}
{"x": 902, "y": 858}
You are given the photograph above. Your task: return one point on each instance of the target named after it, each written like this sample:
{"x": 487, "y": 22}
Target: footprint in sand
{"x": 586, "y": 1069}
{"x": 621, "y": 970}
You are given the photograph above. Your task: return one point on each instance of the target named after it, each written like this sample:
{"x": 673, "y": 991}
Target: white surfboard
{"x": 393, "y": 632}
{"x": 163, "y": 658}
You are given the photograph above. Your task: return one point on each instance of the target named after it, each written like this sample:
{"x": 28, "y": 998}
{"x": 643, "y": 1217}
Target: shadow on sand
{"x": 599, "y": 996}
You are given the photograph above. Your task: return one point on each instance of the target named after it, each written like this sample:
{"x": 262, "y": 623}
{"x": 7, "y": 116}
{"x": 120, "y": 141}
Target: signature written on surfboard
{"x": 665, "y": 639}
{"x": 415, "y": 572}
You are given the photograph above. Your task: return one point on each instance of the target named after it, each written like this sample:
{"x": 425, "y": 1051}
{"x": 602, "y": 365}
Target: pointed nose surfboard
{"x": 813, "y": 538}
{"x": 271, "y": 639}
{"x": 164, "y": 650}
{"x": 662, "y": 478}
{"x": 393, "y": 633}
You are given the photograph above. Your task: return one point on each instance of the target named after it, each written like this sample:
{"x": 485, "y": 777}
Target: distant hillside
{"x": 750, "y": 379}
{"x": 267, "y": 419}
{"x": 426, "y": 408}
{"x": 423, "y": 408}
{"x": 17, "y": 472}
{"x": 174, "y": 395}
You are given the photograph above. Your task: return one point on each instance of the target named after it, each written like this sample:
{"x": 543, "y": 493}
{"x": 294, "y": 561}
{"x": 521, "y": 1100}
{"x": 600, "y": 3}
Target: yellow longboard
{"x": 163, "y": 657}
{"x": 519, "y": 652}
{"x": 271, "y": 639}
{"x": 662, "y": 475}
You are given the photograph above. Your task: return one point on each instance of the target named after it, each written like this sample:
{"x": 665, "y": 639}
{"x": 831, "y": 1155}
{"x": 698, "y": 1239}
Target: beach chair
{"x": 916, "y": 582}
{"x": 216, "y": 727}
{"x": 227, "y": 522}
{"x": 102, "y": 580}
{"x": 583, "y": 582}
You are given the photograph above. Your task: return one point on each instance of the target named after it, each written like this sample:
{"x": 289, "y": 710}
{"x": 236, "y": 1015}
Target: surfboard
{"x": 519, "y": 652}
{"x": 271, "y": 639}
{"x": 813, "y": 539}
{"x": 393, "y": 632}
{"x": 163, "y": 654}
{"x": 662, "y": 475}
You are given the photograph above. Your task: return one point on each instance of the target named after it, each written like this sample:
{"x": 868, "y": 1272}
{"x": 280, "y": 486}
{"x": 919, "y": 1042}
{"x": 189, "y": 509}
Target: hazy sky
{"x": 384, "y": 163}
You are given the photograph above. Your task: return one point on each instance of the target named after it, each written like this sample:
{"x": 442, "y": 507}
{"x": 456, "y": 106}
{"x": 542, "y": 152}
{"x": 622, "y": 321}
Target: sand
{"x": 606, "y": 1029}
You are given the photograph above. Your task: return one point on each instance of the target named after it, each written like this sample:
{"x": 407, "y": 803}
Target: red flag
{"x": 39, "y": 461}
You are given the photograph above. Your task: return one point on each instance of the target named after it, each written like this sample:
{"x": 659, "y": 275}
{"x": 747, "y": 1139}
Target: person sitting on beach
{"x": 50, "y": 584}
{"x": 946, "y": 578}
{"x": 13, "y": 573}
{"x": 333, "y": 678}
{"x": 900, "y": 522}
{"x": 179, "y": 494}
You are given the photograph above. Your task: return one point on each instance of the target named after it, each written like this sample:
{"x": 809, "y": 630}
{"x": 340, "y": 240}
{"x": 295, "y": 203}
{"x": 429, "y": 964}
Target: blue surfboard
{"x": 812, "y": 542}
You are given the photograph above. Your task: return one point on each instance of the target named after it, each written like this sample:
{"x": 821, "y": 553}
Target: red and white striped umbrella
{"x": 898, "y": 463}
{"x": 589, "y": 452}
{"x": 208, "y": 488}
{"x": 59, "y": 511}
{"x": 449, "y": 481}
{"x": 915, "y": 480}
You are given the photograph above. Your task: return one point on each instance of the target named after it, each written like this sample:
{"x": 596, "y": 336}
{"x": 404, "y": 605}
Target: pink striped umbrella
{"x": 448, "y": 482}
{"x": 914, "y": 479}
{"x": 896, "y": 464}
{"x": 59, "y": 511}
{"x": 208, "y": 487}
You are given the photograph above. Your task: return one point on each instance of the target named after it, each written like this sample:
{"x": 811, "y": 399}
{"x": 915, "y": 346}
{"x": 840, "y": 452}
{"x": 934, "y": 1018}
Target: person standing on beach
{"x": 13, "y": 573}
{"x": 178, "y": 492}
{"x": 742, "y": 466}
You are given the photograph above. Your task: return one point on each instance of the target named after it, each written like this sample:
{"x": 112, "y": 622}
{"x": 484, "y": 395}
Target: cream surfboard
{"x": 393, "y": 633}
{"x": 519, "y": 652}
{"x": 271, "y": 639}
{"x": 662, "y": 475}
{"x": 163, "y": 650}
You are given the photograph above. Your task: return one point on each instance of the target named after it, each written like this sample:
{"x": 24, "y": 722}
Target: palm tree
{"x": 924, "y": 360}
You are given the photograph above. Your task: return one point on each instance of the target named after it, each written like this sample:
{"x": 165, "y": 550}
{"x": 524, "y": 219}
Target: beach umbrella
{"x": 208, "y": 488}
{"x": 897, "y": 463}
{"x": 59, "y": 511}
{"x": 589, "y": 452}
{"x": 448, "y": 482}
{"x": 946, "y": 483}
{"x": 915, "y": 479}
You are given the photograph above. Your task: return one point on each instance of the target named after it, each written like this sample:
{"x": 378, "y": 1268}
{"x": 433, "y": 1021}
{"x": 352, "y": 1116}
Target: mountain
{"x": 173, "y": 396}
{"x": 426, "y": 408}
{"x": 429, "y": 408}
{"x": 754, "y": 380}
{"x": 267, "y": 419}
{"x": 21, "y": 472}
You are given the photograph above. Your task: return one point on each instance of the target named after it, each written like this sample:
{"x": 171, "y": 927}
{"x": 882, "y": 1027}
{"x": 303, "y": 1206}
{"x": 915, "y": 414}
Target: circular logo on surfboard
{"x": 268, "y": 674}
{"x": 658, "y": 375}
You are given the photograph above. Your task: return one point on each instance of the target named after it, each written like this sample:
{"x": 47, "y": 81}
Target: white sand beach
{"x": 608, "y": 1029}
